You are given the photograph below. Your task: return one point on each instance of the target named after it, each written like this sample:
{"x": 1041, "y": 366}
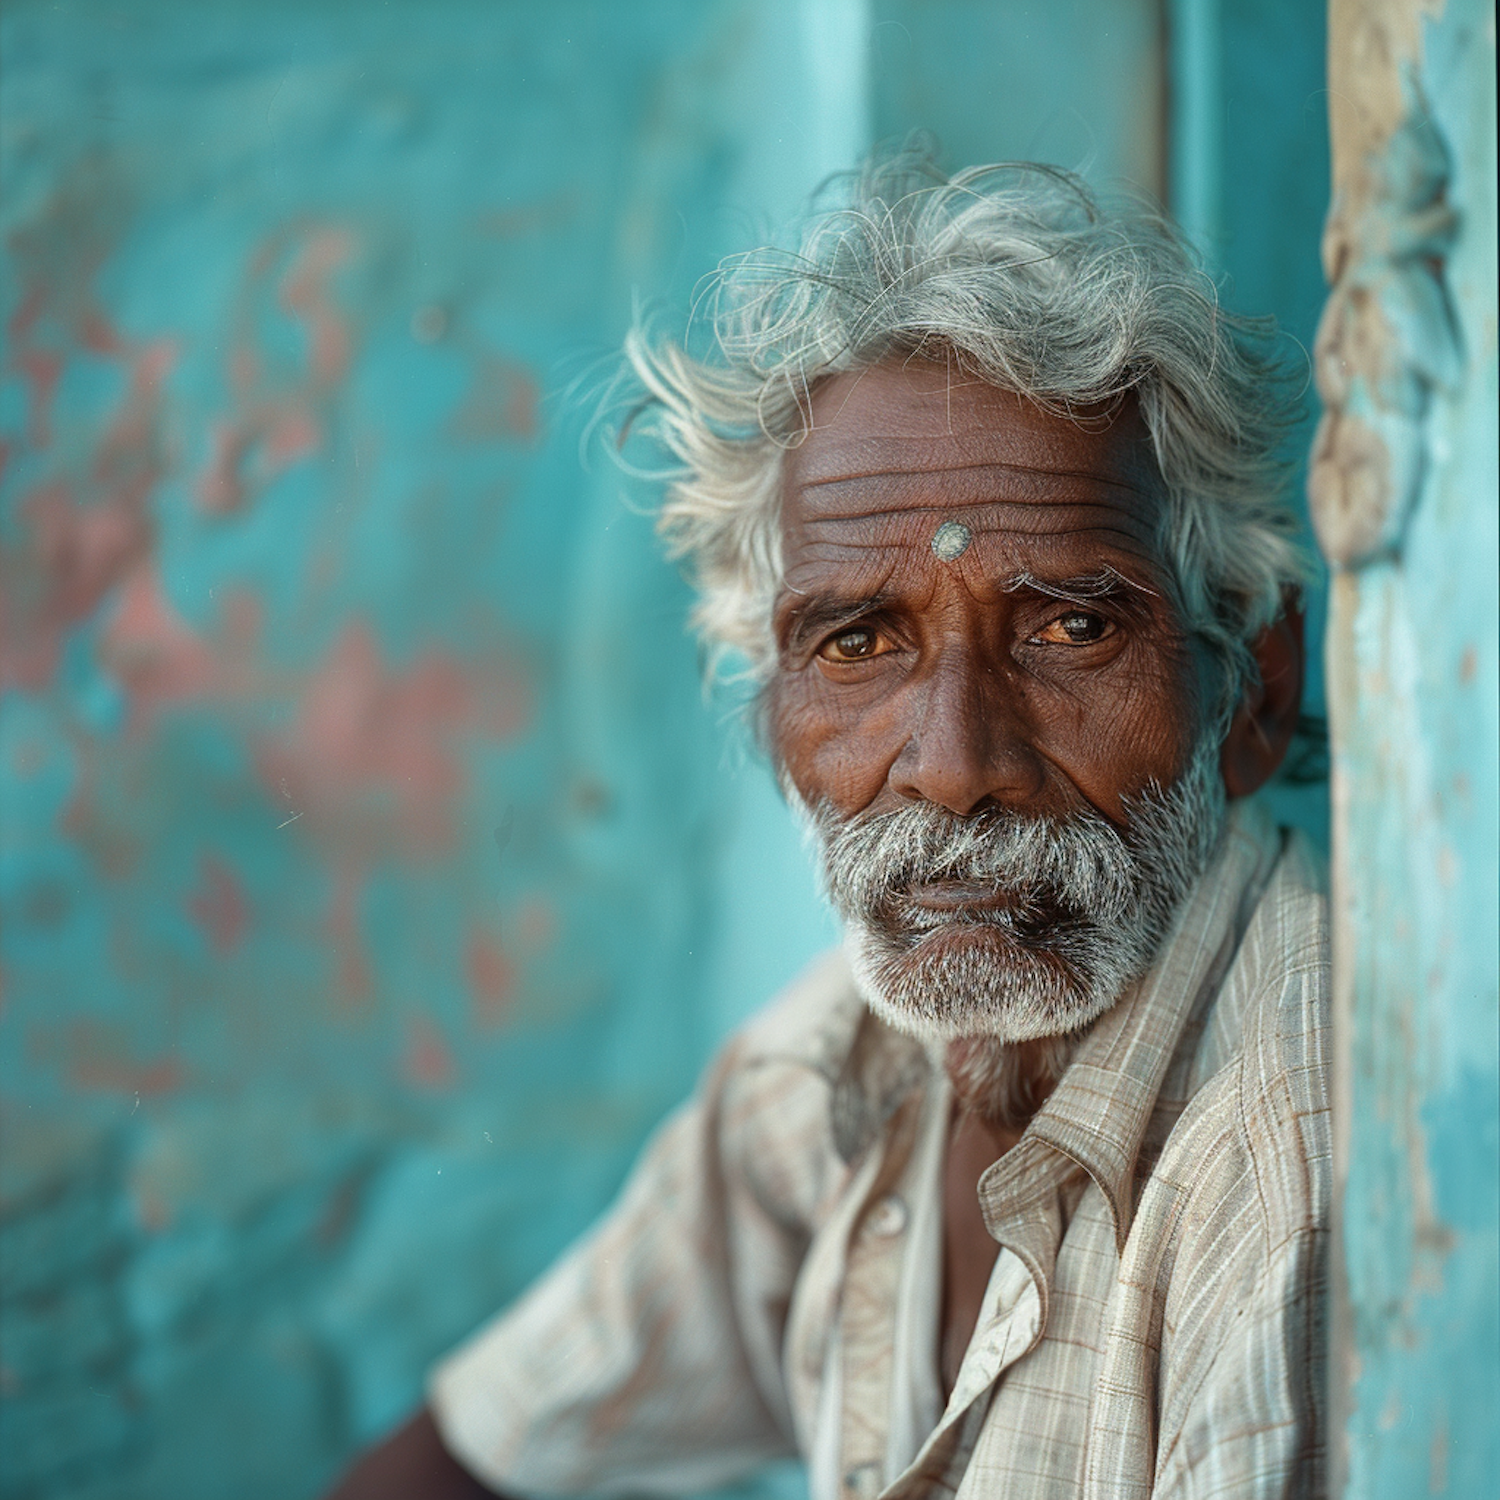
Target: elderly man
{"x": 1024, "y": 1193}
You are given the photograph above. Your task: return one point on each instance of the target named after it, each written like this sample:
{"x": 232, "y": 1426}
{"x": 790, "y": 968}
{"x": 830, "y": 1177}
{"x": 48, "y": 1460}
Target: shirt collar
{"x": 1098, "y": 1113}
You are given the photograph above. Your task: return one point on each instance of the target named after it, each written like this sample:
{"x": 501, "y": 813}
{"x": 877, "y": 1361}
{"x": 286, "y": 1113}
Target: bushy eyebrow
{"x": 1083, "y": 588}
{"x": 817, "y": 614}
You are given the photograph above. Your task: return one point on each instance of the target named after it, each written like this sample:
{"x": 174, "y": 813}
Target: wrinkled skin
{"x": 965, "y": 682}
{"x": 1040, "y": 665}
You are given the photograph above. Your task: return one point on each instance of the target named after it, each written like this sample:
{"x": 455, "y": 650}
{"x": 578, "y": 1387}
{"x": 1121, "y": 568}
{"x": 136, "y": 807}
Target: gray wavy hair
{"x": 1015, "y": 274}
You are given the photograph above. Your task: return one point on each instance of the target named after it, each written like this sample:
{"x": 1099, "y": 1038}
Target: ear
{"x": 1267, "y": 716}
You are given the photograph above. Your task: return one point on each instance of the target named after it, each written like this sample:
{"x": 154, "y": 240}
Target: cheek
{"x": 825, "y": 757}
{"x": 1114, "y": 737}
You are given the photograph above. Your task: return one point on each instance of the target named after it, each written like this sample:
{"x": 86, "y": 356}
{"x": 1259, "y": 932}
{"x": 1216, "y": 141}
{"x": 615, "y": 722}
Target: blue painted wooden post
{"x": 1404, "y": 498}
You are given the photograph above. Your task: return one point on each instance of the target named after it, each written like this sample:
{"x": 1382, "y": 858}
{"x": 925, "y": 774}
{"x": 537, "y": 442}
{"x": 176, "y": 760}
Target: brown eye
{"x": 851, "y": 645}
{"x": 1079, "y": 627}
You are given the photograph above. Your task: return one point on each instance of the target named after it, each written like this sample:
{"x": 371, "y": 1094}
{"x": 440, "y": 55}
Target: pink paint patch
{"x": 338, "y": 1215}
{"x": 306, "y": 291}
{"x": 56, "y": 255}
{"x": 42, "y": 369}
{"x": 254, "y": 449}
{"x": 280, "y": 415}
{"x": 372, "y": 756}
{"x": 503, "y": 404}
{"x": 153, "y": 653}
{"x": 292, "y": 435}
{"x": 107, "y": 1075}
{"x": 536, "y": 923}
{"x": 82, "y": 538}
{"x": 219, "y": 906}
{"x": 491, "y": 980}
{"x": 152, "y": 1212}
{"x": 347, "y": 936}
{"x": 427, "y": 1062}
{"x": 221, "y": 488}
{"x": 76, "y": 556}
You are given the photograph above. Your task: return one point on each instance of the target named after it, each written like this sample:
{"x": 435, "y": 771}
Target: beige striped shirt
{"x": 769, "y": 1281}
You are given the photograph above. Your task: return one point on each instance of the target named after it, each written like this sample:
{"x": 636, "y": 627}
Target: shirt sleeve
{"x": 649, "y": 1357}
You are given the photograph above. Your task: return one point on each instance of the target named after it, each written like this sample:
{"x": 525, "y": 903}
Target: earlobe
{"x": 1266, "y": 719}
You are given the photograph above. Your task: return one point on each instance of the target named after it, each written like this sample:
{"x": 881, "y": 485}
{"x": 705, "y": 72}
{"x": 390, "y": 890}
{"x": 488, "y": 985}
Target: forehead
{"x": 899, "y": 449}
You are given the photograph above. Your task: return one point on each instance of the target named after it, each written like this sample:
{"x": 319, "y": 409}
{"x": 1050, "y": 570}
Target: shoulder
{"x": 772, "y": 1090}
{"x": 1248, "y": 1164}
{"x": 1246, "y": 1185}
{"x": 812, "y": 1022}
{"x": 1268, "y": 1028}
{"x": 1282, "y": 1075}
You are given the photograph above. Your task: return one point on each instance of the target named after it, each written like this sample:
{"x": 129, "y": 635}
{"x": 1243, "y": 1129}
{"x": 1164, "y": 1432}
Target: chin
{"x": 967, "y": 979}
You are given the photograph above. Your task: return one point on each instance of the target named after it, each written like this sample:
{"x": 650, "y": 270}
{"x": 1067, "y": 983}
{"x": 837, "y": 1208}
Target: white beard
{"x": 1090, "y": 905}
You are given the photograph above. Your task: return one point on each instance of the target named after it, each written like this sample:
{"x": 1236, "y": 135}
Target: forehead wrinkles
{"x": 867, "y": 491}
{"x": 965, "y": 484}
{"x": 903, "y": 504}
{"x": 846, "y": 560}
{"x": 1010, "y": 453}
{"x": 1072, "y": 536}
{"x": 853, "y": 496}
{"x": 901, "y": 525}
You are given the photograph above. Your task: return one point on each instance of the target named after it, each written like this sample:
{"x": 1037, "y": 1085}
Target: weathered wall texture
{"x": 372, "y": 875}
{"x": 1405, "y": 502}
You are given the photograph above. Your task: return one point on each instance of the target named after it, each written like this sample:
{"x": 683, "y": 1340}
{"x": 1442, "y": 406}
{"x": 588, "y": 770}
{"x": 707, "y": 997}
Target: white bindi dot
{"x": 951, "y": 540}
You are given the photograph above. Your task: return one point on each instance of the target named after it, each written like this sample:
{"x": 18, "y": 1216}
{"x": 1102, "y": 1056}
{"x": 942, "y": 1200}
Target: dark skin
{"x": 1043, "y": 669}
{"x": 411, "y": 1464}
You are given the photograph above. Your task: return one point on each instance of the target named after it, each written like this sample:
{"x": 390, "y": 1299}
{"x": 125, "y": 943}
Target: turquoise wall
{"x": 1248, "y": 179}
{"x": 373, "y": 873}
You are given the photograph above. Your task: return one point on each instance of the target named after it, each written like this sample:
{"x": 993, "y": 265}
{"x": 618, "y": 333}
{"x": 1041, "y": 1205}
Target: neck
{"x": 1003, "y": 1084}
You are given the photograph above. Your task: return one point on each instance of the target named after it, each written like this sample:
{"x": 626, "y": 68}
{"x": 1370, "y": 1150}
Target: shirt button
{"x": 865, "y": 1482}
{"x": 888, "y": 1217}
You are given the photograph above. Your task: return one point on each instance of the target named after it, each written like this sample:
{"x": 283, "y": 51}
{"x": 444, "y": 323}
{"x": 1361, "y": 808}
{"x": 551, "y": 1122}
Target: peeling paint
{"x": 502, "y": 403}
{"x": 427, "y": 1062}
{"x": 1403, "y": 492}
{"x": 219, "y": 906}
{"x": 280, "y": 407}
{"x": 491, "y": 980}
{"x": 306, "y": 595}
{"x": 371, "y": 756}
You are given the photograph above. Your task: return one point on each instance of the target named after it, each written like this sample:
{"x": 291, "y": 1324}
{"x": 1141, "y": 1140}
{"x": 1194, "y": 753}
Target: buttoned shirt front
{"x": 770, "y": 1280}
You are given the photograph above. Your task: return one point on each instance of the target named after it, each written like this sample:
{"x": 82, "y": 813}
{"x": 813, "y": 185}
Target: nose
{"x": 968, "y": 746}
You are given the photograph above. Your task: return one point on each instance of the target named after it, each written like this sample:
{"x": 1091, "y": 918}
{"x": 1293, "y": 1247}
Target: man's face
{"x": 983, "y": 692}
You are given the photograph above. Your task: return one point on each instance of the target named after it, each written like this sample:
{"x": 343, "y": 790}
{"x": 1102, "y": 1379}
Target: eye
{"x": 858, "y": 644}
{"x": 1079, "y": 627}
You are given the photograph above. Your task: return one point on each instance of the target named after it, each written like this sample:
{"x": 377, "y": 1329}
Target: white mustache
{"x": 1051, "y": 870}
{"x": 1064, "y": 912}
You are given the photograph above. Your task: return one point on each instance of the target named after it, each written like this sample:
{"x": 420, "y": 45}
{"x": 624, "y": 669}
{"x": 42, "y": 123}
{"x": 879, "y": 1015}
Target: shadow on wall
{"x": 373, "y": 875}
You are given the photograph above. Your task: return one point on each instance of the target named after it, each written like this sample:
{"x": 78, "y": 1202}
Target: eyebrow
{"x": 820, "y": 613}
{"x": 1103, "y": 583}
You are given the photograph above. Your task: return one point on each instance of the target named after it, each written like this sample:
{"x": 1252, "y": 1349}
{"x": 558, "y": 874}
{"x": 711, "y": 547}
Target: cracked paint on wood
{"x": 1404, "y": 492}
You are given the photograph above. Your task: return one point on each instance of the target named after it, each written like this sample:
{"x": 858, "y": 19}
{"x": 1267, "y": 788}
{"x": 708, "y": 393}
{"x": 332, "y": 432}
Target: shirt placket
{"x": 1012, "y": 1319}
{"x": 867, "y": 1315}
